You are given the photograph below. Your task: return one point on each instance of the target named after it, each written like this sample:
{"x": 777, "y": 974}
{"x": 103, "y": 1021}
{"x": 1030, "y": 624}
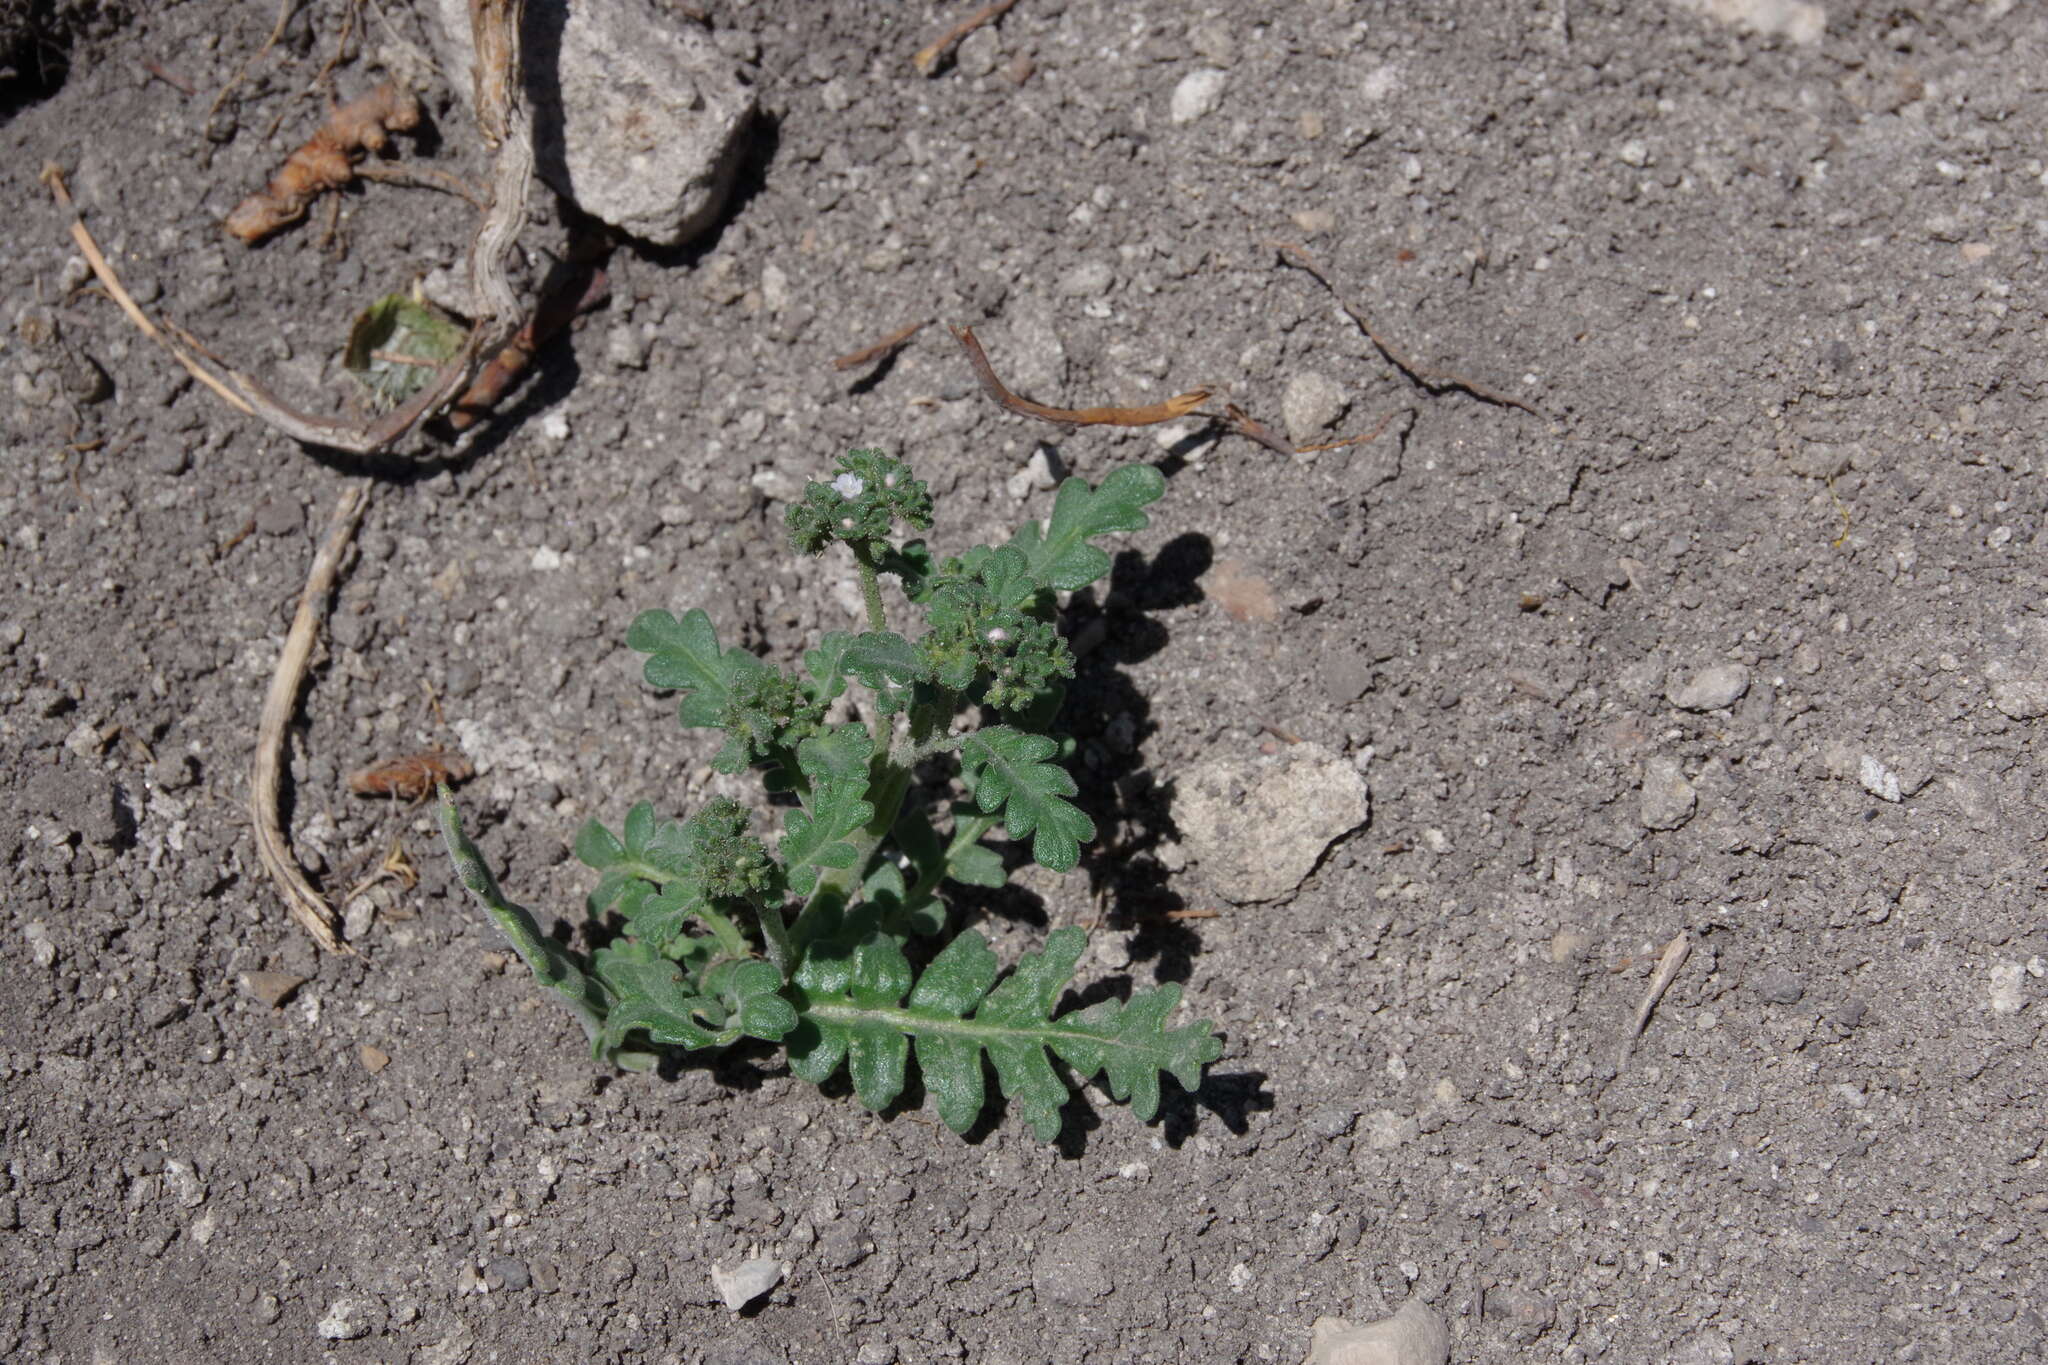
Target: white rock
{"x": 1413, "y": 1336}
{"x": 638, "y": 117}
{"x": 748, "y": 1281}
{"x": 1258, "y": 828}
{"x": 1085, "y": 281}
{"x": 1312, "y": 404}
{"x": 1036, "y": 476}
{"x": 1710, "y": 689}
{"x": 1197, "y": 94}
{"x": 2008, "y": 987}
{"x": 1800, "y": 20}
{"x": 1880, "y": 781}
{"x": 350, "y": 1320}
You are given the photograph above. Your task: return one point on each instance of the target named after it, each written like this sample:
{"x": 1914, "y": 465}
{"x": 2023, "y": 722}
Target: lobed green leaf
{"x": 684, "y": 656}
{"x": 1060, "y": 556}
{"x": 1005, "y": 770}
{"x": 848, "y": 1011}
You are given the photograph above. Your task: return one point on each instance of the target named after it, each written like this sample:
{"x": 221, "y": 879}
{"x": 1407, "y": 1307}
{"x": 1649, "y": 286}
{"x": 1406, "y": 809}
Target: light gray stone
{"x": 638, "y": 117}
{"x": 1312, "y": 404}
{"x": 747, "y": 1281}
{"x": 1415, "y": 1335}
{"x": 1668, "y": 799}
{"x": 2021, "y": 698}
{"x": 1710, "y": 689}
{"x": 1258, "y": 828}
{"x": 1197, "y": 94}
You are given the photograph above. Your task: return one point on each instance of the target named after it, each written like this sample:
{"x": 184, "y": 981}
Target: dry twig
{"x": 575, "y": 291}
{"x": 273, "y": 844}
{"x": 1435, "y": 381}
{"x": 887, "y": 346}
{"x": 1674, "y": 956}
{"x": 929, "y": 56}
{"x": 1180, "y": 405}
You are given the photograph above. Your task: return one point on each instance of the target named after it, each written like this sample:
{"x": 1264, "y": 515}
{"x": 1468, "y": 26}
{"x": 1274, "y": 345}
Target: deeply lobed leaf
{"x": 849, "y": 1012}
{"x": 1005, "y": 770}
{"x": 684, "y": 656}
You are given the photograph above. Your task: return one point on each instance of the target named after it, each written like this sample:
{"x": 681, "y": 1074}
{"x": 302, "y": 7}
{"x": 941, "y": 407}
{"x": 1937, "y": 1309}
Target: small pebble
{"x": 272, "y": 988}
{"x": 1086, "y": 281}
{"x": 1880, "y": 781}
{"x": 1780, "y": 986}
{"x": 1312, "y": 404}
{"x": 2021, "y": 699}
{"x": 1668, "y": 799}
{"x": 280, "y": 517}
{"x": 1415, "y": 1335}
{"x": 374, "y": 1059}
{"x": 2008, "y": 988}
{"x": 1332, "y": 1120}
{"x": 1197, "y": 94}
{"x": 627, "y": 347}
{"x": 349, "y": 1320}
{"x": 504, "y": 1272}
{"x": 746, "y": 1282}
{"x": 1710, "y": 689}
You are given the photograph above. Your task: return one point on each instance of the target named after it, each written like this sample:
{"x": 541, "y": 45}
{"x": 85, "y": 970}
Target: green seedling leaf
{"x": 805, "y": 943}
{"x": 827, "y": 666}
{"x": 849, "y": 1011}
{"x": 1005, "y": 770}
{"x": 889, "y": 665}
{"x": 684, "y": 656}
{"x": 836, "y": 763}
{"x": 396, "y": 345}
{"x": 1060, "y": 556}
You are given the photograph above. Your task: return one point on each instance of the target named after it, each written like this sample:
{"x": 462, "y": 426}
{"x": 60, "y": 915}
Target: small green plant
{"x": 810, "y": 943}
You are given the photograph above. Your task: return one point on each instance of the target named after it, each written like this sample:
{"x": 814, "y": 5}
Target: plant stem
{"x": 775, "y": 938}
{"x": 870, "y": 584}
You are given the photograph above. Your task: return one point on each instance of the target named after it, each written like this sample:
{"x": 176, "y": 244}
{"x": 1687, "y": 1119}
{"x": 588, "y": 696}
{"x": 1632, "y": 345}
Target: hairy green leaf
{"x": 1060, "y": 556}
{"x": 849, "y": 1012}
{"x": 836, "y": 763}
{"x": 684, "y": 656}
{"x": 1005, "y": 770}
{"x": 889, "y": 665}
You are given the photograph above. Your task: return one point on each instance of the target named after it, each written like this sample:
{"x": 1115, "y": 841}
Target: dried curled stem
{"x": 1180, "y": 405}
{"x": 273, "y": 844}
{"x": 326, "y": 161}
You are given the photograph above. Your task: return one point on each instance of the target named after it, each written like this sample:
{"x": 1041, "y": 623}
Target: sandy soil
{"x": 1742, "y": 637}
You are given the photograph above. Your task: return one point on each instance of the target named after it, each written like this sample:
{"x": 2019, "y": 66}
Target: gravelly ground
{"x": 1744, "y": 636}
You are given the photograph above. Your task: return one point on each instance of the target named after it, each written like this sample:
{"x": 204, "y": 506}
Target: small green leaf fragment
{"x": 889, "y": 665}
{"x": 597, "y": 847}
{"x": 396, "y": 345}
{"x": 978, "y": 865}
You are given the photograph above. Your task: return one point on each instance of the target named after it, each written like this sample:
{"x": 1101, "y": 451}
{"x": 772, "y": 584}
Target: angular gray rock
{"x": 1415, "y": 1335}
{"x": 638, "y": 117}
{"x": 1668, "y": 799}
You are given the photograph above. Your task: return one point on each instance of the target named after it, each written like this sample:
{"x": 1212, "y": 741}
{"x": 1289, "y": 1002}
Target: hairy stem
{"x": 870, "y": 584}
{"x": 775, "y": 938}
